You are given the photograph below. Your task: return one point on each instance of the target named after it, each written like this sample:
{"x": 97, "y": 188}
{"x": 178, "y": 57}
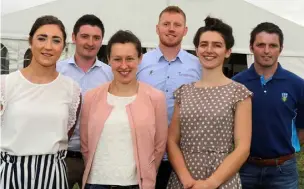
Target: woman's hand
{"x": 188, "y": 182}
{"x": 204, "y": 184}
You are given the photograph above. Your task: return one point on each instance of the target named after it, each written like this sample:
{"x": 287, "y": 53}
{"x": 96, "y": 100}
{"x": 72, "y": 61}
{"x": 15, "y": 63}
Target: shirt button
{"x": 169, "y": 64}
{"x": 265, "y": 91}
{"x": 168, "y": 77}
{"x": 167, "y": 90}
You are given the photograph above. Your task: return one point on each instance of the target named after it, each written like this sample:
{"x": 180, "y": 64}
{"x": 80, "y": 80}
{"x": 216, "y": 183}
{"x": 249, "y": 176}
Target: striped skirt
{"x": 33, "y": 172}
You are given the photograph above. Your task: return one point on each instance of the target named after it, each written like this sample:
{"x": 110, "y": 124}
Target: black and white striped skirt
{"x": 33, "y": 172}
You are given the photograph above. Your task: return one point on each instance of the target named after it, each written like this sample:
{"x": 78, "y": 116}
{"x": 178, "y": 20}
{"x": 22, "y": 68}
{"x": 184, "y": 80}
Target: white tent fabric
{"x": 293, "y": 64}
{"x": 141, "y": 16}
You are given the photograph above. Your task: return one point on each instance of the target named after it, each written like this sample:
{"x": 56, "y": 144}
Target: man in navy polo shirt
{"x": 278, "y": 114}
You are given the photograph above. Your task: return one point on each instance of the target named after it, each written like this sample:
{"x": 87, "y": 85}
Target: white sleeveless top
{"x": 114, "y": 162}
{"x": 36, "y": 118}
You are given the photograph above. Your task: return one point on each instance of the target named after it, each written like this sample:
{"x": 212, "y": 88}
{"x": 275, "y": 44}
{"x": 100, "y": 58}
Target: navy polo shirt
{"x": 277, "y": 110}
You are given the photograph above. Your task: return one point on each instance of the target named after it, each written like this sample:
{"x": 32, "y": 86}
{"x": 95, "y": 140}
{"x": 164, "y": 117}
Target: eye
{"x": 84, "y": 36}
{"x": 97, "y": 38}
{"x": 56, "y": 41}
{"x": 130, "y": 59}
{"x": 177, "y": 25}
{"x": 203, "y": 45}
{"x": 116, "y": 59}
{"x": 41, "y": 38}
{"x": 273, "y": 45}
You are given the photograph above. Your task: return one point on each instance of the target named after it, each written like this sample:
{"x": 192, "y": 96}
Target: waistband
{"x": 270, "y": 162}
{"x": 6, "y": 157}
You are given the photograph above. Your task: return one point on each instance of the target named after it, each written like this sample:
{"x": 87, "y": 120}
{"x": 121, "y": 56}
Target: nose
{"x": 209, "y": 48}
{"x": 90, "y": 41}
{"x": 123, "y": 64}
{"x": 171, "y": 27}
{"x": 48, "y": 44}
{"x": 266, "y": 49}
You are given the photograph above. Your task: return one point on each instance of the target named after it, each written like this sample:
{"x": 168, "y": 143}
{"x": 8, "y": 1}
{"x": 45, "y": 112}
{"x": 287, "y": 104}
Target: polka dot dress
{"x": 207, "y": 124}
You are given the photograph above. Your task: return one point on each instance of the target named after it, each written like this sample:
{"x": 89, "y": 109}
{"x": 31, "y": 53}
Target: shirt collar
{"x": 279, "y": 73}
{"x": 180, "y": 55}
{"x": 96, "y": 63}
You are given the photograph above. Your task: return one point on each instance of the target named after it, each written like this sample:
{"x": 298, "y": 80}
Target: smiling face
{"x": 88, "y": 41}
{"x": 124, "y": 61}
{"x": 266, "y": 49}
{"x": 171, "y": 29}
{"x": 212, "y": 50}
{"x": 47, "y": 45}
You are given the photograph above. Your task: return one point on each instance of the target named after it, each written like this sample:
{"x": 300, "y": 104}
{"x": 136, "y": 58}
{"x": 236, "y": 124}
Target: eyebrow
{"x": 216, "y": 42}
{"x": 44, "y": 35}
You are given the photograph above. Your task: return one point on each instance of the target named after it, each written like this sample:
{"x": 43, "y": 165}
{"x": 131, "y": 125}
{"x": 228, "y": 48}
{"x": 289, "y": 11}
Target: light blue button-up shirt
{"x": 98, "y": 74}
{"x": 169, "y": 75}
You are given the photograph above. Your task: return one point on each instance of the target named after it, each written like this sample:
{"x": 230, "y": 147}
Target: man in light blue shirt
{"x": 168, "y": 67}
{"x": 89, "y": 72}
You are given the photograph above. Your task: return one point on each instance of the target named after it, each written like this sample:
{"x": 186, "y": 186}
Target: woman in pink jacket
{"x": 123, "y": 124}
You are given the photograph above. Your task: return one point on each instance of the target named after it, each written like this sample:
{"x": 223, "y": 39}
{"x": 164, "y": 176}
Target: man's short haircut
{"x": 268, "y": 28}
{"x": 88, "y": 19}
{"x": 173, "y": 9}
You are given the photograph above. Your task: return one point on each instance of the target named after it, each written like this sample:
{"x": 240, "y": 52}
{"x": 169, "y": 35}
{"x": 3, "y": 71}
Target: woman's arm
{"x": 174, "y": 153}
{"x": 161, "y": 133}
{"x": 71, "y": 131}
{"x": 242, "y": 140}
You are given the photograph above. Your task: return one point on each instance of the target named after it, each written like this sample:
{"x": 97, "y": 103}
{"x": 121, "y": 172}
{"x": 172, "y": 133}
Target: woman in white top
{"x": 39, "y": 108}
{"x": 123, "y": 125}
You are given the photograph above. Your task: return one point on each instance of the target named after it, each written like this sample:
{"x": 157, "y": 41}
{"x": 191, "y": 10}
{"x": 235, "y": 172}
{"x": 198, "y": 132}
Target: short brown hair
{"x": 173, "y": 9}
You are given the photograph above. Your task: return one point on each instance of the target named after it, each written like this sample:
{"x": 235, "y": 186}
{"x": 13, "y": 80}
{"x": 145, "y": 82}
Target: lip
{"x": 47, "y": 54}
{"x": 124, "y": 73}
{"x": 170, "y": 35}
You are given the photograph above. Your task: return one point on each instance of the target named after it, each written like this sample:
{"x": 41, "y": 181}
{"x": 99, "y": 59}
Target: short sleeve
{"x": 241, "y": 93}
{"x": 2, "y": 94}
{"x": 74, "y": 105}
{"x": 177, "y": 94}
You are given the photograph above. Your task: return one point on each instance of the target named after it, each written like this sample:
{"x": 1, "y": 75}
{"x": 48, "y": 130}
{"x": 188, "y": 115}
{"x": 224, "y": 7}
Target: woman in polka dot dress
{"x": 210, "y": 133}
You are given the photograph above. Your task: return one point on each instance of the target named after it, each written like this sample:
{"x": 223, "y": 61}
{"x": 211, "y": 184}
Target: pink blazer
{"x": 149, "y": 125}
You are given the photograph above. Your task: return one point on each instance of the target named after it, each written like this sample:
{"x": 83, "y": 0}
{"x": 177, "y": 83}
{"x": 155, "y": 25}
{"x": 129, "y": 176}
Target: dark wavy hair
{"x": 217, "y": 25}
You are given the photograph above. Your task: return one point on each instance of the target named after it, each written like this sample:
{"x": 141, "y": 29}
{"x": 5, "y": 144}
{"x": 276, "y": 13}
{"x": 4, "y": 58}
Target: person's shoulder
{"x": 96, "y": 90}
{"x": 292, "y": 76}
{"x": 60, "y": 65}
{"x": 151, "y": 91}
{"x": 190, "y": 56}
{"x": 241, "y": 76}
{"x": 150, "y": 53}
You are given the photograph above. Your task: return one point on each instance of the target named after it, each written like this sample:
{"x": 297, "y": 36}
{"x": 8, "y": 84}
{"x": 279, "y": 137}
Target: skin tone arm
{"x": 242, "y": 140}
{"x": 175, "y": 155}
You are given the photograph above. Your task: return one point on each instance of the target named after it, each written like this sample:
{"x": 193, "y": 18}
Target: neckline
{"x": 213, "y": 87}
{"x": 122, "y": 97}
{"x": 38, "y": 84}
